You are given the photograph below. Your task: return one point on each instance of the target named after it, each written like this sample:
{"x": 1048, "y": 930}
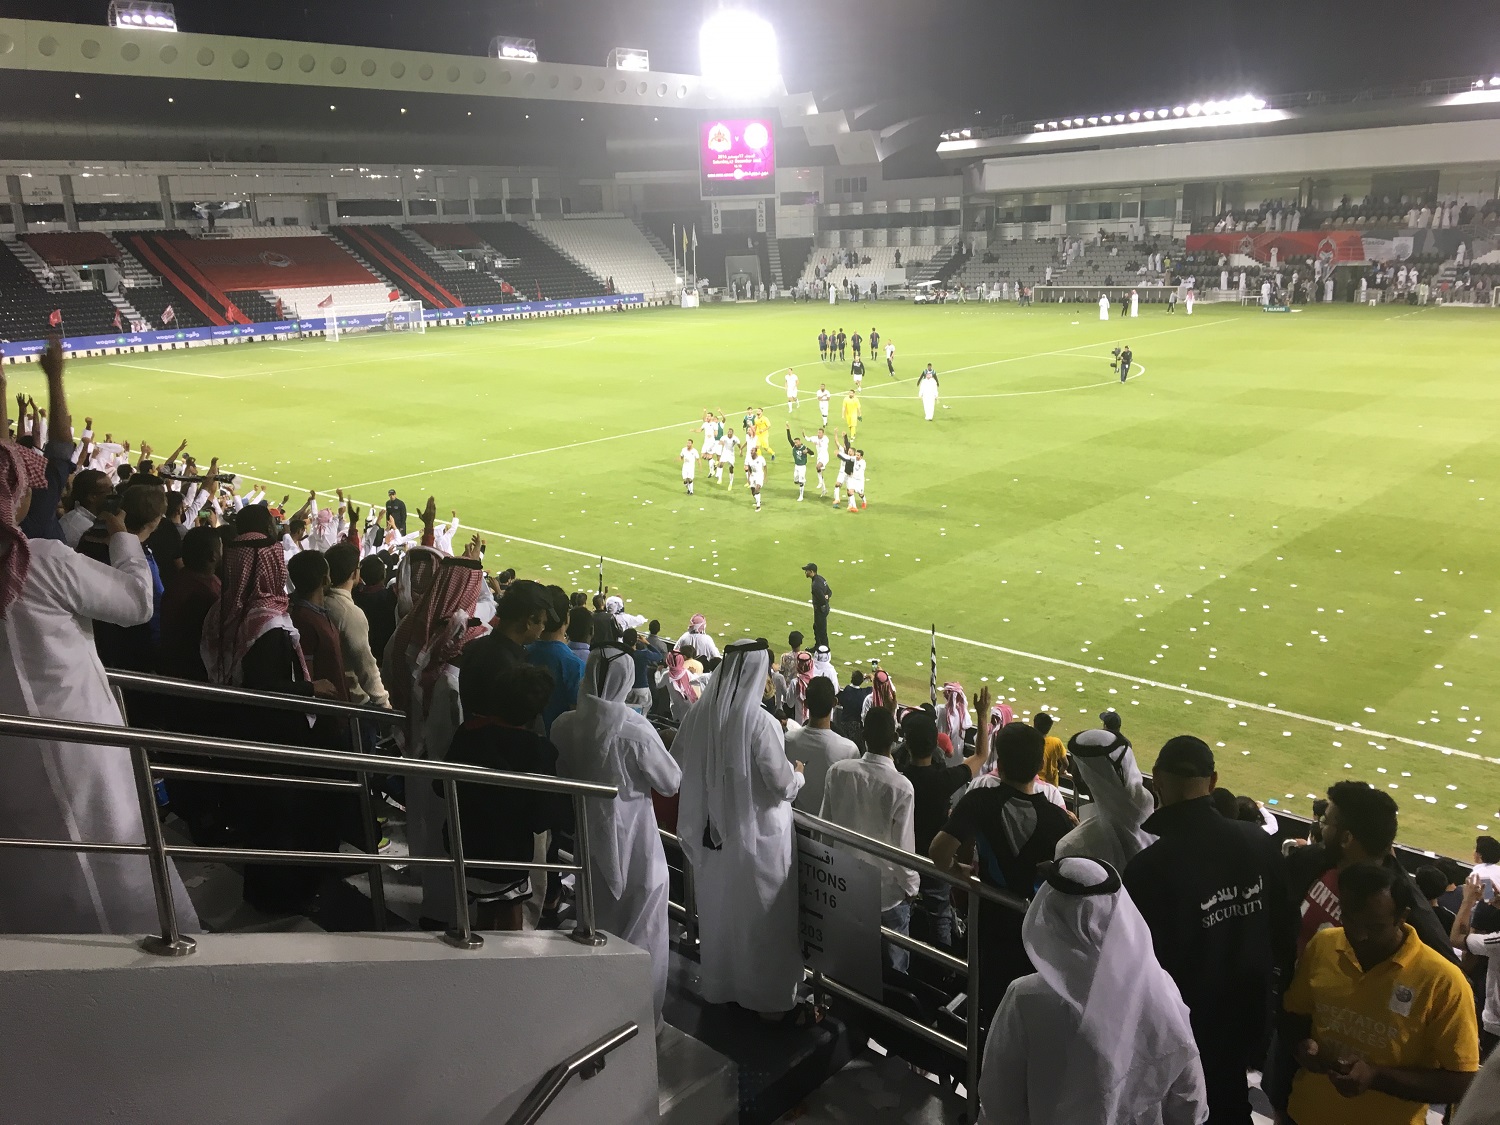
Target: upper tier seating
{"x": 540, "y": 268}
{"x": 611, "y": 247}
{"x": 25, "y": 307}
{"x": 882, "y": 261}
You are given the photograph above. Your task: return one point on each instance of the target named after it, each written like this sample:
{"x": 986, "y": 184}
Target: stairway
{"x": 656, "y": 243}
{"x": 939, "y": 266}
{"x": 64, "y": 278}
{"x": 337, "y": 234}
{"x": 129, "y": 314}
{"x": 695, "y": 1084}
{"x": 135, "y": 274}
{"x": 445, "y": 259}
{"x": 773, "y": 256}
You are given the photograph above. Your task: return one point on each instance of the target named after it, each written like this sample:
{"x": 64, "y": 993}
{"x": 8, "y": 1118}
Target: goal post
{"x": 390, "y": 316}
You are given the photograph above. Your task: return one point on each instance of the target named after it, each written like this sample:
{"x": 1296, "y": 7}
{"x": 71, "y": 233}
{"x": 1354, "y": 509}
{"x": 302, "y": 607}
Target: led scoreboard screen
{"x": 736, "y": 157}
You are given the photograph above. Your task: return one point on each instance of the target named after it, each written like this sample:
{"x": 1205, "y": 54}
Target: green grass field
{"x": 1279, "y": 535}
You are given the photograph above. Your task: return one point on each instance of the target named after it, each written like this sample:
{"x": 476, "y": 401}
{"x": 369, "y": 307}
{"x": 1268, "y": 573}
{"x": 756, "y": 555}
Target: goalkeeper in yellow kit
{"x": 852, "y": 414}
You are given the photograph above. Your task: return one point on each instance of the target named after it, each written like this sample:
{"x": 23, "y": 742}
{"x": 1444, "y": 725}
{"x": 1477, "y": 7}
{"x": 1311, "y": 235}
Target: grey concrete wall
{"x": 277, "y": 1029}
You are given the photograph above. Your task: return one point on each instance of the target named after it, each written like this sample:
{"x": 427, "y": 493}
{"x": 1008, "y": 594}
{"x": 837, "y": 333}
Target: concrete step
{"x": 695, "y": 1084}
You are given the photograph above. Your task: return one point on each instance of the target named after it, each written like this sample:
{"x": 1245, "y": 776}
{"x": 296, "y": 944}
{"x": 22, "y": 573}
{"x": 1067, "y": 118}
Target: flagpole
{"x": 601, "y": 575}
{"x": 674, "y": 249}
{"x": 932, "y": 681}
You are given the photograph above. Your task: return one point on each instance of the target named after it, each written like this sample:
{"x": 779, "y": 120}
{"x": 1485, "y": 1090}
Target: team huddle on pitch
{"x": 720, "y": 446}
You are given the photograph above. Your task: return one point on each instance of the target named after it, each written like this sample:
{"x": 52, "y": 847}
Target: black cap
{"x": 392, "y": 492}
{"x": 1110, "y": 718}
{"x": 1185, "y": 756}
{"x": 810, "y": 566}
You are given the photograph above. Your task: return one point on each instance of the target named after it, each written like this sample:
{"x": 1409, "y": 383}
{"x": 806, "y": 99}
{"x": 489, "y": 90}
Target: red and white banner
{"x": 168, "y": 315}
{"x": 326, "y": 302}
{"x": 1342, "y": 247}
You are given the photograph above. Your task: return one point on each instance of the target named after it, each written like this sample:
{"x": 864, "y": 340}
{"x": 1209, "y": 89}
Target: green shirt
{"x": 799, "y": 451}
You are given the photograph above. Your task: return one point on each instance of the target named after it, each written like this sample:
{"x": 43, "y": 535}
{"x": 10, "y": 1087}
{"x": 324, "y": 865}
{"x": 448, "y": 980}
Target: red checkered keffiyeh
{"x": 21, "y": 470}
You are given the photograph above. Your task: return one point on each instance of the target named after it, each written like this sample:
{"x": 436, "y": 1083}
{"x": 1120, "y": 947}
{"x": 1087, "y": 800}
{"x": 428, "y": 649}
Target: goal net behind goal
{"x": 392, "y": 316}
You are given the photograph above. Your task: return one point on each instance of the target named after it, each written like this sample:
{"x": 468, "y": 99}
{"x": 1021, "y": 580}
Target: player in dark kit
{"x": 823, "y": 345}
{"x": 857, "y": 371}
{"x": 843, "y": 342}
{"x": 874, "y": 344}
{"x": 1124, "y": 357}
{"x": 857, "y": 340}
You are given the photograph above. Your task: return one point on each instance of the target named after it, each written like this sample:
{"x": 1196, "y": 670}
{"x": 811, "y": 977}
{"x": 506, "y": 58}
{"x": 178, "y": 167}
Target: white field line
{"x": 172, "y": 370}
{"x": 1040, "y": 658}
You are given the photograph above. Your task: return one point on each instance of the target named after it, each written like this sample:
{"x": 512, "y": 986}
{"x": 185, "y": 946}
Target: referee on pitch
{"x": 821, "y": 595}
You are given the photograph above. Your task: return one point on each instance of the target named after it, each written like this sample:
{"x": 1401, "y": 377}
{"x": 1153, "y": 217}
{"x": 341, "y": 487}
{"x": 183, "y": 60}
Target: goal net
{"x": 391, "y": 316}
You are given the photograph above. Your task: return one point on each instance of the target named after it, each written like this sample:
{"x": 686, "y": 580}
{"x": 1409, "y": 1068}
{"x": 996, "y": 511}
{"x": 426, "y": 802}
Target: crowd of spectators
{"x": 1162, "y": 941}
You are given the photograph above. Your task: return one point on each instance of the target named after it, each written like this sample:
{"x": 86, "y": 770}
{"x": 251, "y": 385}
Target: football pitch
{"x": 1280, "y": 534}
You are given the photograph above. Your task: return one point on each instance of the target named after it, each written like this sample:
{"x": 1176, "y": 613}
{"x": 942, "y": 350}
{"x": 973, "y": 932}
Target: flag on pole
{"x": 326, "y": 303}
{"x": 538, "y": 290}
{"x": 695, "y": 236}
{"x": 684, "y": 239}
{"x": 55, "y": 319}
{"x": 168, "y": 315}
{"x": 932, "y": 685}
{"x": 393, "y": 295}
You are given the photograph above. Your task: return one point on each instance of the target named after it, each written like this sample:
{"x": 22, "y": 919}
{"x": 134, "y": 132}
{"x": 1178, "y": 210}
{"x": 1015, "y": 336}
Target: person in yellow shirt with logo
{"x": 852, "y": 414}
{"x": 763, "y": 435}
{"x": 1383, "y": 1025}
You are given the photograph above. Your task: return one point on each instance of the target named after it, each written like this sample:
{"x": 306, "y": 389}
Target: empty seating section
{"x": 163, "y": 252}
{"x": 880, "y": 268}
{"x": 73, "y": 248}
{"x": 449, "y": 236}
{"x": 541, "y": 270}
{"x": 273, "y": 263}
{"x": 393, "y": 254}
{"x": 152, "y": 301}
{"x": 465, "y": 285}
{"x": 611, "y": 247}
{"x": 256, "y": 307}
{"x": 305, "y": 302}
{"x": 26, "y": 307}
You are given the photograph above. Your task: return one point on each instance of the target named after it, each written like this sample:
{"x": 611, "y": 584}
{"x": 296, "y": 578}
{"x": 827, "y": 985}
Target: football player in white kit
{"x": 857, "y": 481}
{"x": 890, "y": 358}
{"x": 823, "y": 399}
{"x": 755, "y": 475}
{"x": 791, "y": 390}
{"x": 819, "y": 443}
{"x": 689, "y": 459}
{"x": 845, "y": 454}
{"x": 728, "y": 448}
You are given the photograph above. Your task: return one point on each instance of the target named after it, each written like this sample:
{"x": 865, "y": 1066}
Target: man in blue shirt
{"x": 551, "y": 652}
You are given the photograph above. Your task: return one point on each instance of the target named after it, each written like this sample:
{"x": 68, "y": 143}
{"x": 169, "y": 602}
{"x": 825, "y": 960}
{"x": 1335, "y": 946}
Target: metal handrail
{"x": 969, "y": 1051}
{"x": 172, "y": 942}
{"x": 218, "y": 693}
{"x": 586, "y": 1064}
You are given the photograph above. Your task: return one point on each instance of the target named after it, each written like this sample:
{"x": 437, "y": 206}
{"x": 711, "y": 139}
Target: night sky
{"x": 995, "y": 56}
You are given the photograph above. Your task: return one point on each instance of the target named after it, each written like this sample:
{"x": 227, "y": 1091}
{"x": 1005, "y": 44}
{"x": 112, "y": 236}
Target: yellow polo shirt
{"x": 1412, "y": 1010}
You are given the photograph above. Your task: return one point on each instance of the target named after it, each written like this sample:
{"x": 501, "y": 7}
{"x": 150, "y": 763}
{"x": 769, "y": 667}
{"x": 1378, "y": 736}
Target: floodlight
{"x": 1093, "y": 121}
{"x": 1039, "y": 126}
{"x": 1194, "y": 110}
{"x": 1120, "y": 118}
{"x": 1135, "y": 114}
{"x": 142, "y": 14}
{"x": 1162, "y": 113}
{"x": 1149, "y": 114}
{"x": 1052, "y": 124}
{"x": 738, "y": 53}
{"x": 1259, "y": 103}
{"x": 512, "y": 49}
{"x": 1178, "y": 111}
{"x": 628, "y": 58}
{"x": 1078, "y": 121}
{"x": 1495, "y": 81}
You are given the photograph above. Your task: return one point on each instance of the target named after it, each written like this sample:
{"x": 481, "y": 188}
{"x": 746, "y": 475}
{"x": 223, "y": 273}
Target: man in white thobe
{"x": 606, "y": 742}
{"x": 1135, "y": 303}
{"x": 1111, "y": 827}
{"x": 49, "y": 598}
{"x": 927, "y": 391}
{"x": 735, "y": 823}
{"x": 1099, "y": 1032}
{"x": 1103, "y": 306}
